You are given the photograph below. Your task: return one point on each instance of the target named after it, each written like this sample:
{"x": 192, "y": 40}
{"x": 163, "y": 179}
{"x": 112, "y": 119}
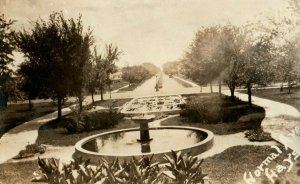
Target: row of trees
{"x": 138, "y": 73}
{"x": 7, "y": 45}
{"x": 240, "y": 56}
{"x": 171, "y": 68}
{"x": 59, "y": 61}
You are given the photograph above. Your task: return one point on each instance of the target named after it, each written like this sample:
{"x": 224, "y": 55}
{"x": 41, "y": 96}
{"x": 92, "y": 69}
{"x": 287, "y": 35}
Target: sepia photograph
{"x": 150, "y": 91}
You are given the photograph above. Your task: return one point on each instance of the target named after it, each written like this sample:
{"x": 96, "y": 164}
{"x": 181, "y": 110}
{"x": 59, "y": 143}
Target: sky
{"x": 155, "y": 31}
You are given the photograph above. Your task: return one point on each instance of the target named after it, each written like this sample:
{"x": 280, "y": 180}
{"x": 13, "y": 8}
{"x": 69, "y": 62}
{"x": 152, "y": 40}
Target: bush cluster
{"x": 217, "y": 109}
{"x": 181, "y": 169}
{"x": 96, "y": 120}
{"x": 258, "y": 135}
{"x": 30, "y": 150}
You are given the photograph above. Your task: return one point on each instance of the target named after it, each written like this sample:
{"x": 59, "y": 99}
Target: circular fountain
{"x": 126, "y": 143}
{"x": 144, "y": 141}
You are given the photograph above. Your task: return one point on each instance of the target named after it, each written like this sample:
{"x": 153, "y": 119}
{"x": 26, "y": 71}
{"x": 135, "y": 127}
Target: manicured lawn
{"x": 129, "y": 88}
{"x": 117, "y": 84}
{"x": 52, "y": 134}
{"x": 292, "y": 99}
{"x": 229, "y": 166}
{"x": 112, "y": 103}
{"x": 17, "y": 173}
{"x": 218, "y": 128}
{"x": 183, "y": 83}
{"x": 16, "y": 114}
{"x": 132, "y": 87}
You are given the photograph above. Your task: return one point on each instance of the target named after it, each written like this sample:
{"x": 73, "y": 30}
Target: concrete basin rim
{"x": 79, "y": 144}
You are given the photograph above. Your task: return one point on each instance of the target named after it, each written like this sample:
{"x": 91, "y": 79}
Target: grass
{"x": 218, "y": 128}
{"x": 117, "y": 84}
{"x": 183, "y": 83}
{"x": 17, "y": 173}
{"x": 130, "y": 88}
{"x": 55, "y": 135}
{"x": 112, "y": 103}
{"x": 16, "y": 114}
{"x": 229, "y": 166}
{"x": 275, "y": 94}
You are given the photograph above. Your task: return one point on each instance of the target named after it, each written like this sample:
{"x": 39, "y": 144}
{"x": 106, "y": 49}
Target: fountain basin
{"x": 123, "y": 143}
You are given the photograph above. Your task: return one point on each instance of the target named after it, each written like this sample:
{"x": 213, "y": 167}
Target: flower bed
{"x": 154, "y": 104}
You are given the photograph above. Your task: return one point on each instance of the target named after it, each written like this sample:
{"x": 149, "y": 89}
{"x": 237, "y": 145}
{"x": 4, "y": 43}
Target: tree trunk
{"x": 59, "y": 107}
{"x": 101, "y": 93}
{"x": 29, "y": 103}
{"x": 249, "y": 94}
{"x": 220, "y": 86}
{"x": 109, "y": 92}
{"x": 92, "y": 93}
{"x": 80, "y": 99}
{"x": 289, "y": 87}
{"x": 5, "y": 101}
{"x": 211, "y": 89}
{"x": 232, "y": 88}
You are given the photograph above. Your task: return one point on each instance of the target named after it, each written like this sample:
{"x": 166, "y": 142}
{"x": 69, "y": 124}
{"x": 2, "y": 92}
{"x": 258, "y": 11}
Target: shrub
{"x": 72, "y": 124}
{"x": 185, "y": 169}
{"x": 214, "y": 109}
{"x": 258, "y": 135}
{"x": 30, "y": 151}
{"x": 96, "y": 120}
{"x": 101, "y": 120}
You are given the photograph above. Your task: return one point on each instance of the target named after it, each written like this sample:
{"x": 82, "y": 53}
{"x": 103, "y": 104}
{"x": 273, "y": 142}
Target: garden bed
{"x": 154, "y": 104}
{"x": 218, "y": 114}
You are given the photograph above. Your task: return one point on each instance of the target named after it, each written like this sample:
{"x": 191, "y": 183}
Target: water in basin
{"x": 163, "y": 140}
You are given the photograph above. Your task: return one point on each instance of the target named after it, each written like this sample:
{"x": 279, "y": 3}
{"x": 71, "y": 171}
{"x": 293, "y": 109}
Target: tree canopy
{"x": 8, "y": 84}
{"x": 57, "y": 51}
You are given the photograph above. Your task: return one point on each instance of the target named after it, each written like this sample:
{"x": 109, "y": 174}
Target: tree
{"x": 257, "y": 67}
{"x": 57, "y": 50}
{"x": 77, "y": 46}
{"x": 202, "y": 63}
{"x": 108, "y": 66}
{"x": 288, "y": 63}
{"x": 31, "y": 84}
{"x": 171, "y": 68}
{"x": 7, "y": 46}
{"x": 153, "y": 70}
{"x": 135, "y": 74}
{"x": 94, "y": 69}
{"x": 102, "y": 67}
{"x": 232, "y": 43}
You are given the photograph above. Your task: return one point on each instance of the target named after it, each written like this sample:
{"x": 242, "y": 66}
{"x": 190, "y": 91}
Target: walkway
{"x": 17, "y": 138}
{"x": 280, "y": 118}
